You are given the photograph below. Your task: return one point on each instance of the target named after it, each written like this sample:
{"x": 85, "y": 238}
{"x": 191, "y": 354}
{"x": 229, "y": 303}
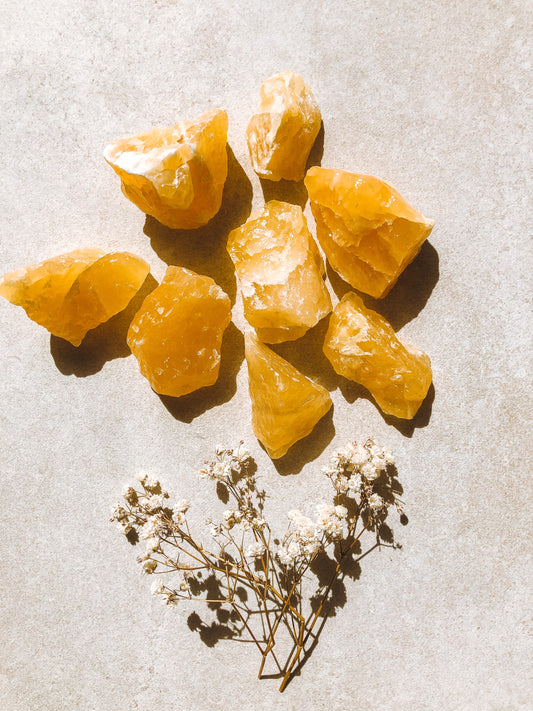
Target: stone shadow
{"x": 292, "y": 191}
{"x": 317, "y": 151}
{"x": 307, "y": 356}
{"x": 188, "y": 407}
{"x": 204, "y": 250}
{"x": 408, "y": 296}
{"x": 103, "y": 343}
{"x": 420, "y": 420}
{"x": 308, "y": 448}
{"x": 352, "y": 391}
{"x": 284, "y": 191}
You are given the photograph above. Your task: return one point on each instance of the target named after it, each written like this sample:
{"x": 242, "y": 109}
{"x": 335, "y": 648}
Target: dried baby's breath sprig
{"x": 243, "y": 566}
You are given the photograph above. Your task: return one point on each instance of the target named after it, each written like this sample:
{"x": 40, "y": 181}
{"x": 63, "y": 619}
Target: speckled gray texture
{"x": 429, "y": 96}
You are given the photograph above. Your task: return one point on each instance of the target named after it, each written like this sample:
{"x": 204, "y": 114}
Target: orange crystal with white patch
{"x": 362, "y": 346}
{"x": 282, "y": 132}
{"x": 368, "y": 232}
{"x": 280, "y": 271}
{"x": 75, "y": 292}
{"x": 175, "y": 174}
{"x": 177, "y": 333}
{"x": 286, "y": 405}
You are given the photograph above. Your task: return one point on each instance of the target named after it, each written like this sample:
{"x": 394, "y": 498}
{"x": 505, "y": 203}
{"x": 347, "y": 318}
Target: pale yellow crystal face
{"x": 177, "y": 333}
{"x": 280, "y": 271}
{"x": 368, "y": 232}
{"x": 285, "y": 404}
{"x": 362, "y": 346}
{"x": 75, "y": 292}
{"x": 282, "y": 132}
{"x": 175, "y": 174}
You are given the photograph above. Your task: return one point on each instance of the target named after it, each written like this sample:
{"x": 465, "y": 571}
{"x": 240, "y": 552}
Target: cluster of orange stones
{"x": 367, "y": 231}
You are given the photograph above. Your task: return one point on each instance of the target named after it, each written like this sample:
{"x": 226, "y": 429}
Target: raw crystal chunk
{"x": 367, "y": 230}
{"x": 175, "y": 174}
{"x": 177, "y": 333}
{"x": 285, "y": 404}
{"x": 282, "y": 132}
{"x": 362, "y": 346}
{"x": 75, "y": 292}
{"x": 280, "y": 272}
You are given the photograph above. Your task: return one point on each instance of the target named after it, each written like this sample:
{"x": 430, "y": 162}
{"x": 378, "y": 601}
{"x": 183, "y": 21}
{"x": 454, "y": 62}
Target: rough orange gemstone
{"x": 175, "y": 174}
{"x": 177, "y": 333}
{"x": 362, "y": 346}
{"x": 285, "y": 404}
{"x": 280, "y": 271}
{"x": 282, "y": 132}
{"x": 367, "y": 230}
{"x": 75, "y": 292}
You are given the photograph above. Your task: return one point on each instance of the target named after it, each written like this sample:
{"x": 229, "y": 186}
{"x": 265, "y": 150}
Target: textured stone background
{"x": 433, "y": 98}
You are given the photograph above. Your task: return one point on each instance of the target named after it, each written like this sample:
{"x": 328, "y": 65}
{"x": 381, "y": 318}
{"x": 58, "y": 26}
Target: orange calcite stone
{"x": 282, "y": 132}
{"x": 75, "y": 292}
{"x": 367, "y": 230}
{"x": 175, "y": 174}
{"x": 285, "y": 404}
{"x": 280, "y": 272}
{"x": 177, "y": 333}
{"x": 362, "y": 346}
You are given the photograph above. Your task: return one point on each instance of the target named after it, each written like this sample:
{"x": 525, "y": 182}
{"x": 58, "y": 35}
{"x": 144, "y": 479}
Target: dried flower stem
{"x": 311, "y": 620}
{"x": 362, "y": 477}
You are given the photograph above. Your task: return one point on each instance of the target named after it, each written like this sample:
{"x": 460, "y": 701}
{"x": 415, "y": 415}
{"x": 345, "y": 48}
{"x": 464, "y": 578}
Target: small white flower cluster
{"x": 228, "y": 462}
{"x": 330, "y": 519}
{"x": 231, "y": 468}
{"x": 148, "y": 514}
{"x": 122, "y": 518}
{"x": 354, "y": 470}
{"x": 306, "y": 537}
{"x": 247, "y": 517}
{"x": 180, "y": 508}
{"x": 170, "y": 596}
{"x": 255, "y": 550}
{"x": 149, "y": 483}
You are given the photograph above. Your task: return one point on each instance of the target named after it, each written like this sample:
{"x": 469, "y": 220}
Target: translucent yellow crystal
{"x": 362, "y": 346}
{"x": 285, "y": 404}
{"x": 175, "y": 174}
{"x": 75, "y": 292}
{"x": 282, "y": 132}
{"x": 177, "y": 333}
{"x": 368, "y": 232}
{"x": 280, "y": 270}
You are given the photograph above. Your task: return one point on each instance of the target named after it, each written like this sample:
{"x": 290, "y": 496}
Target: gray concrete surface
{"x": 432, "y": 97}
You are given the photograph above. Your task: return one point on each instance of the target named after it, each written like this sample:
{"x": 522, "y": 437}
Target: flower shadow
{"x": 326, "y": 581}
{"x": 332, "y": 571}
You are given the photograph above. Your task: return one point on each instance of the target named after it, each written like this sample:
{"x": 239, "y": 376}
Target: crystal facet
{"x": 285, "y": 404}
{"x": 75, "y": 292}
{"x": 177, "y": 333}
{"x": 362, "y": 346}
{"x": 368, "y": 232}
{"x": 175, "y": 174}
{"x": 280, "y": 273}
{"x": 282, "y": 132}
